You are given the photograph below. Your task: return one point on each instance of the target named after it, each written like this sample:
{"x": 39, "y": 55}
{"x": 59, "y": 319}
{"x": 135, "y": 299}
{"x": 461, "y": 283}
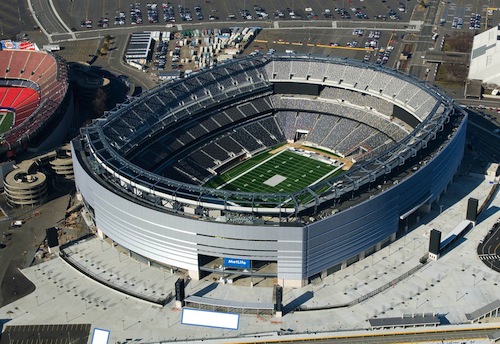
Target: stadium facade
{"x": 34, "y": 86}
{"x": 141, "y": 168}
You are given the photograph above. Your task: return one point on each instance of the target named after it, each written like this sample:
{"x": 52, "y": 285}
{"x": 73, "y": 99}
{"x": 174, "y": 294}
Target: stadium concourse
{"x": 450, "y": 287}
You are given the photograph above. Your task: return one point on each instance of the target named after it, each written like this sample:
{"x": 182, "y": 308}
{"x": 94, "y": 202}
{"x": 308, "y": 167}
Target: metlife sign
{"x": 237, "y": 263}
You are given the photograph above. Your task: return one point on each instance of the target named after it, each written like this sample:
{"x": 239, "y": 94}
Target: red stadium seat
{"x": 33, "y": 83}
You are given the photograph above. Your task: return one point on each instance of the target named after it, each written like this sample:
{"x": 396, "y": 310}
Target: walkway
{"x": 453, "y": 286}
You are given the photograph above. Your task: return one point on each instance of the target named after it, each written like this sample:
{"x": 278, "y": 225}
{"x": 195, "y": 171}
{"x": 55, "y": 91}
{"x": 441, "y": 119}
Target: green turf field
{"x": 282, "y": 172}
{"x": 6, "y": 119}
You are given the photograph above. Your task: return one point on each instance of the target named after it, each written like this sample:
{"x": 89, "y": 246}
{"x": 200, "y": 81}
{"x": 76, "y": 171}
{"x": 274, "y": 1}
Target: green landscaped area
{"x": 281, "y": 172}
{"x": 6, "y": 120}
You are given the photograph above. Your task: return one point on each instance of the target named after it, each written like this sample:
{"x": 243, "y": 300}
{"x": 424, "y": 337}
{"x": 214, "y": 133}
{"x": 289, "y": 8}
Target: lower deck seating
{"x": 23, "y": 100}
{"x": 341, "y": 127}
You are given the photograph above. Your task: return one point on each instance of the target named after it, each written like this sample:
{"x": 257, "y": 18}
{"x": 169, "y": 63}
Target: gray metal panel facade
{"x": 300, "y": 252}
{"x": 334, "y": 239}
{"x": 177, "y": 240}
{"x": 141, "y": 225}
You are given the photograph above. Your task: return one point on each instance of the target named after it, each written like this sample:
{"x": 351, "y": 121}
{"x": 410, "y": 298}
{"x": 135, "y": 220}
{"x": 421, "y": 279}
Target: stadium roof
{"x": 190, "y": 96}
{"x": 485, "y": 57}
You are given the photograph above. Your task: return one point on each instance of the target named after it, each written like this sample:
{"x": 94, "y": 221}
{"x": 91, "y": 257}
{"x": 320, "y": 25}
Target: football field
{"x": 6, "y": 120}
{"x": 282, "y": 172}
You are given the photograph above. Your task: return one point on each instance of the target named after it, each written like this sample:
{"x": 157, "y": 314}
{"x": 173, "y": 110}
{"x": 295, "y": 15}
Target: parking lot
{"x": 87, "y": 14}
{"x": 378, "y": 46}
{"x": 461, "y": 15}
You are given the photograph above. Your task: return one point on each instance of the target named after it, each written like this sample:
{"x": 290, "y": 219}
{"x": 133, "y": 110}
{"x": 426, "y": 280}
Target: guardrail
{"x": 157, "y": 300}
{"x": 366, "y": 296}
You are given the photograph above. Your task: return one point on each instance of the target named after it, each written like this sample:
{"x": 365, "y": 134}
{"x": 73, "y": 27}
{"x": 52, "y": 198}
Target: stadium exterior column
{"x": 100, "y": 234}
{"x": 426, "y": 208}
{"x": 393, "y": 237}
{"x": 194, "y": 274}
{"x": 362, "y": 255}
{"x": 378, "y": 246}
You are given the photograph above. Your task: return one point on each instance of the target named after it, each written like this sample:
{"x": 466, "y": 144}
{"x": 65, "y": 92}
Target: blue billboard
{"x": 237, "y": 263}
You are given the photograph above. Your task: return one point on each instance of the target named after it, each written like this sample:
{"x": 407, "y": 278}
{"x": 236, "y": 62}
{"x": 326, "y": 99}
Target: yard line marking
{"x": 251, "y": 169}
{"x": 326, "y": 175}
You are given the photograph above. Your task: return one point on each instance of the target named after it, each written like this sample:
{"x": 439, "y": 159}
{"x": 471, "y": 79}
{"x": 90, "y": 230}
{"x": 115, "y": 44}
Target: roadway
{"x": 387, "y": 336}
{"x": 44, "y": 13}
{"x": 74, "y": 12}
{"x": 489, "y": 249}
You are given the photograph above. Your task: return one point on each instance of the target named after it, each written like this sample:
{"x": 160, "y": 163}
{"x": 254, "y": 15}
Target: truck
{"x": 52, "y": 47}
{"x": 17, "y": 224}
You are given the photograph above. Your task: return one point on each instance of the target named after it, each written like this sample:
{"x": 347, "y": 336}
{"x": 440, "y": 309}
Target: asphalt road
{"x": 395, "y": 337}
{"x": 44, "y": 13}
{"x": 489, "y": 250}
{"x": 76, "y": 11}
{"x": 14, "y": 17}
{"x": 22, "y": 243}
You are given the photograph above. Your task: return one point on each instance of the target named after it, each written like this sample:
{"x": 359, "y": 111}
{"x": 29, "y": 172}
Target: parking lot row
{"x": 185, "y": 14}
{"x": 91, "y": 14}
{"x": 456, "y": 16}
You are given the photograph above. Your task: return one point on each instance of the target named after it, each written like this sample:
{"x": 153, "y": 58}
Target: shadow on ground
{"x": 14, "y": 286}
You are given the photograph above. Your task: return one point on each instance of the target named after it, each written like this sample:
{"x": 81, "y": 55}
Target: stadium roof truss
{"x": 106, "y": 157}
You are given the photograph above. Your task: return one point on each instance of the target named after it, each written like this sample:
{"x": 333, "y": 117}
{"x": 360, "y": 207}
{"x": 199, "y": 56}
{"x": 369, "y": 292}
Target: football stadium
{"x": 288, "y": 167}
{"x": 34, "y": 99}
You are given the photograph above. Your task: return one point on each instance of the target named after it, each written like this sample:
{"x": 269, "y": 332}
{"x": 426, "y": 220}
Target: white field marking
{"x": 253, "y": 168}
{"x": 2, "y": 119}
{"x": 326, "y": 175}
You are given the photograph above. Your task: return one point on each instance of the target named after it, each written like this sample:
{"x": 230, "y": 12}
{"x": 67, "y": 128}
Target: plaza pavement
{"x": 456, "y": 284}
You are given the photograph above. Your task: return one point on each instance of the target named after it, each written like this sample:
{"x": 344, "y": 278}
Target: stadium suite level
{"x": 142, "y": 179}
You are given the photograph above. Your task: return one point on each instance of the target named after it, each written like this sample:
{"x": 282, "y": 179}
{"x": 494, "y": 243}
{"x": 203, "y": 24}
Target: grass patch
{"x": 6, "y": 121}
{"x": 451, "y": 74}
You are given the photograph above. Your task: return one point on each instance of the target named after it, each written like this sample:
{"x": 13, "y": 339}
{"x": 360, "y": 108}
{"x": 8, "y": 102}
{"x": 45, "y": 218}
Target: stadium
{"x": 290, "y": 166}
{"x": 35, "y": 105}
